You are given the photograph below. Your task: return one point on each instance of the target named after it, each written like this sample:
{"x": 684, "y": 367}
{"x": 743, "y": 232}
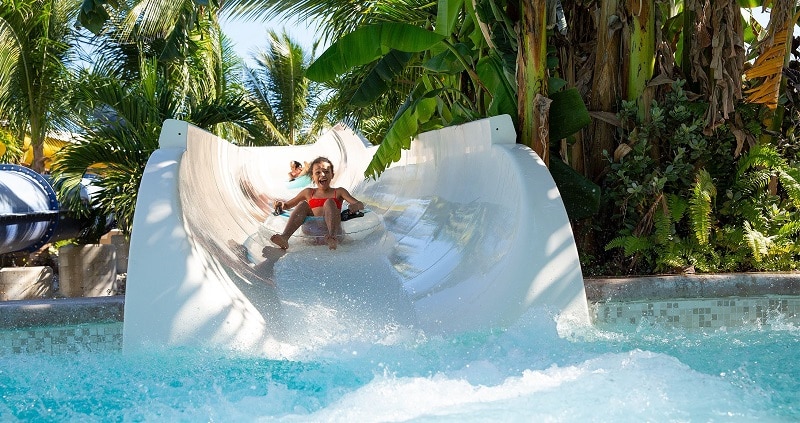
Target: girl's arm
{"x": 353, "y": 204}
{"x": 302, "y": 195}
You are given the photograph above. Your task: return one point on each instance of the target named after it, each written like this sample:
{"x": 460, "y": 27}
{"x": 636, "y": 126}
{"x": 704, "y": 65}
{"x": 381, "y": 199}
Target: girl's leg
{"x": 333, "y": 220}
{"x": 296, "y": 220}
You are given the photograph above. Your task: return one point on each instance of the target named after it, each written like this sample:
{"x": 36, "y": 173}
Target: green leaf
{"x": 700, "y": 206}
{"x": 555, "y": 85}
{"x": 447, "y": 15}
{"x": 630, "y": 244}
{"x": 504, "y": 93}
{"x": 673, "y": 27}
{"x": 379, "y": 79}
{"x": 447, "y": 62}
{"x": 93, "y": 15}
{"x": 581, "y": 196}
{"x": 367, "y": 44}
{"x": 568, "y": 114}
{"x": 750, "y": 4}
{"x": 405, "y": 126}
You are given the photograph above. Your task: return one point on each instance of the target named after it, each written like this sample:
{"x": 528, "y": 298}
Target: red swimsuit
{"x": 319, "y": 202}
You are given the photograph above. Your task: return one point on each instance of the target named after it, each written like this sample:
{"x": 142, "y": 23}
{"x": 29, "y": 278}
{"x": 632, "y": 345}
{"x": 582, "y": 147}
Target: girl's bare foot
{"x": 331, "y": 241}
{"x": 278, "y": 240}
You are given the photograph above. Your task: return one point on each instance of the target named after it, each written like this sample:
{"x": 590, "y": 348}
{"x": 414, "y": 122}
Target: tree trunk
{"x": 641, "y": 59}
{"x": 37, "y": 143}
{"x": 605, "y": 87}
{"x": 533, "y": 104}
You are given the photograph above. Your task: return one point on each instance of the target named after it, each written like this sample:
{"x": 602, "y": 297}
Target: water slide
{"x": 30, "y": 213}
{"x": 471, "y": 232}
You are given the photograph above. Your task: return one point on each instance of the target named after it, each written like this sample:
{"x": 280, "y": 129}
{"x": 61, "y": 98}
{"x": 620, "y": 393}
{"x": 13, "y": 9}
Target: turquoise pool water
{"x": 525, "y": 373}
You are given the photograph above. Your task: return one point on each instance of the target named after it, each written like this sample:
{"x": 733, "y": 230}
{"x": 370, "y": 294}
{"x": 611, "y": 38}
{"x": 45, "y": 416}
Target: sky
{"x": 250, "y": 36}
{"x": 247, "y": 36}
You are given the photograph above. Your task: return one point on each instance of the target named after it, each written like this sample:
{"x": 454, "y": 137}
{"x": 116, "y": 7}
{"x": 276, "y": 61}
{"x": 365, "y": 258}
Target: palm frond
{"x": 35, "y": 40}
{"x": 283, "y": 97}
{"x": 333, "y": 19}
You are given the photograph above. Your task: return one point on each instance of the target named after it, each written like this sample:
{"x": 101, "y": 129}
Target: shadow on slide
{"x": 467, "y": 231}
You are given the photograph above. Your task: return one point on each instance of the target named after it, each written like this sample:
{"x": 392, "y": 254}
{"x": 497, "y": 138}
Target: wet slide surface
{"x": 467, "y": 232}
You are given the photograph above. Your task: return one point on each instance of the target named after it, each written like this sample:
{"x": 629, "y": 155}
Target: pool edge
{"x": 71, "y": 311}
{"x": 666, "y": 287}
{"x": 61, "y": 311}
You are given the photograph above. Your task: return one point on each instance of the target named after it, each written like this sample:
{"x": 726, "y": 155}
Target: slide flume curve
{"x": 472, "y": 234}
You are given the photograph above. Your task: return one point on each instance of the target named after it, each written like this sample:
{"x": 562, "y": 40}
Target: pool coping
{"x": 670, "y": 287}
{"x": 71, "y": 311}
{"x": 61, "y": 311}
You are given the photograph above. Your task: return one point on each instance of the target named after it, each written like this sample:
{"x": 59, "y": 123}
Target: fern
{"x": 662, "y": 225}
{"x": 759, "y": 243}
{"x": 677, "y": 207}
{"x": 755, "y": 180}
{"x": 700, "y": 206}
{"x": 789, "y": 230}
{"x": 676, "y": 255}
{"x": 790, "y": 184}
{"x": 630, "y": 244}
{"x": 760, "y": 156}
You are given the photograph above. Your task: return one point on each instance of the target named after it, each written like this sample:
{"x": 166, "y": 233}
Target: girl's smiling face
{"x": 323, "y": 173}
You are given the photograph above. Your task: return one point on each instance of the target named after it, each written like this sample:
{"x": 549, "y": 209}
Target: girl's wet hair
{"x": 297, "y": 164}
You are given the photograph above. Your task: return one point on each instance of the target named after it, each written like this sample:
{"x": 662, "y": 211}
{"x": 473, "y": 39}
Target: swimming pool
{"x": 626, "y": 372}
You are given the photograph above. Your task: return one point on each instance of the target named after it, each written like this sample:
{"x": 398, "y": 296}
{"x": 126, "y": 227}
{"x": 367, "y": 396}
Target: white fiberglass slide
{"x": 468, "y": 232}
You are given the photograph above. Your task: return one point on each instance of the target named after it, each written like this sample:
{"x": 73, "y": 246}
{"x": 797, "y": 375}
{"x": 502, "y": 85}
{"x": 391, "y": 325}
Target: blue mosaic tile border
{"x": 696, "y": 313}
{"x": 57, "y": 340}
{"x": 709, "y": 313}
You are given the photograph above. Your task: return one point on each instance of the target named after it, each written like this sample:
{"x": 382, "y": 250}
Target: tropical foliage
{"x": 122, "y": 109}
{"x": 689, "y": 167}
{"x": 285, "y": 99}
{"x": 35, "y": 84}
{"x": 697, "y": 206}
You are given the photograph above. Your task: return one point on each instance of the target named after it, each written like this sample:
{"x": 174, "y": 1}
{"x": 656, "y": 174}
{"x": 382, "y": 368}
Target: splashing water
{"x": 524, "y": 373}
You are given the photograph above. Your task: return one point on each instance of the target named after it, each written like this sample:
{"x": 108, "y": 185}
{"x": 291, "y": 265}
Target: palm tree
{"x": 453, "y": 60}
{"x": 122, "y": 113}
{"x": 35, "y": 41}
{"x": 284, "y": 97}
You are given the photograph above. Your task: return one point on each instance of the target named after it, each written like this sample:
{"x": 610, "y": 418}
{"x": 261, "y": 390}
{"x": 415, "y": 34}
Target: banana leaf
{"x": 380, "y": 78}
{"x": 412, "y": 114}
{"x": 568, "y": 115}
{"x": 367, "y": 44}
{"x": 581, "y": 196}
{"x": 447, "y": 15}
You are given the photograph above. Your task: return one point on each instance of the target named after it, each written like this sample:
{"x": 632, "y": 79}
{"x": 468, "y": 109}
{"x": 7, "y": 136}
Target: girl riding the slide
{"x": 323, "y": 200}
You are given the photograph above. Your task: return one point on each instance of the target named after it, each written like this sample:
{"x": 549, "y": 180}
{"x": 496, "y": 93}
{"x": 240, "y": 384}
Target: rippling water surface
{"x": 524, "y": 373}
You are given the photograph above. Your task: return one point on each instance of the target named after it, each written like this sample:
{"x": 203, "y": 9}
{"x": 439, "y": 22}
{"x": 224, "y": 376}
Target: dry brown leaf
{"x": 621, "y": 151}
{"x": 769, "y": 66}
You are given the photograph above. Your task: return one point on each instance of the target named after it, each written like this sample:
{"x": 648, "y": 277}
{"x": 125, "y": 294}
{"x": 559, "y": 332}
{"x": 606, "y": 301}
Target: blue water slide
{"x": 30, "y": 214}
